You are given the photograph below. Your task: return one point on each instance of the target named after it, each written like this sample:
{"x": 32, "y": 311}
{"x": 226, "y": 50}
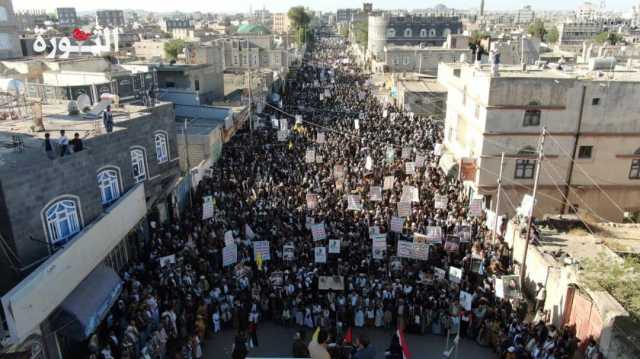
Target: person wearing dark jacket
{"x": 363, "y": 349}
{"x": 299, "y": 347}
{"x": 240, "y": 350}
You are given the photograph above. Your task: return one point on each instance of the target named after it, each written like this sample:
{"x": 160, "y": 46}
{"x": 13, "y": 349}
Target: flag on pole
{"x": 403, "y": 343}
{"x": 259, "y": 261}
{"x": 348, "y": 337}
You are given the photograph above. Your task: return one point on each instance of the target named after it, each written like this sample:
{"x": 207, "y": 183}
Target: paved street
{"x": 275, "y": 341}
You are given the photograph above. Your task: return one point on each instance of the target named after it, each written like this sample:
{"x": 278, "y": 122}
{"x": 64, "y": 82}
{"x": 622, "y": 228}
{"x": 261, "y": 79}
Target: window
{"x": 170, "y": 84}
{"x": 446, "y": 32}
{"x": 405, "y": 60}
{"x": 423, "y": 33}
{"x": 162, "y": 152}
{"x": 531, "y": 118}
{"x": 525, "y": 168}
{"x": 196, "y": 85}
{"x": 456, "y": 72}
{"x": 634, "y": 172}
{"x": 138, "y": 165}
{"x": 432, "y": 33}
{"x": 391, "y": 33}
{"x": 61, "y": 220}
{"x": 595, "y": 101}
{"x": 109, "y": 186}
{"x": 585, "y": 151}
{"x": 408, "y": 33}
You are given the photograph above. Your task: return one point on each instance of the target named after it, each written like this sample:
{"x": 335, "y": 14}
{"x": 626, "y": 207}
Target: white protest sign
{"x": 526, "y": 207}
{"x": 275, "y": 123}
{"x": 434, "y": 234}
{"x": 420, "y": 159}
{"x": 475, "y": 207}
{"x": 249, "y": 232}
{"x": 439, "y": 273}
{"x": 440, "y": 201}
{"x": 437, "y": 149}
{"x": 229, "y": 255}
{"x": 396, "y": 224}
{"x": 262, "y": 248}
{"x": 334, "y": 246}
{"x": 354, "y": 202}
{"x": 499, "y": 286}
{"x": 320, "y": 138}
{"x": 388, "y": 182}
{"x": 420, "y": 246}
{"x": 356, "y": 124}
{"x": 298, "y": 119}
{"x": 284, "y": 124}
{"x": 320, "y": 254}
{"x": 465, "y": 300}
{"x": 310, "y": 156}
{"x": 312, "y": 201}
{"x": 282, "y": 135}
{"x": 410, "y": 168}
{"x": 379, "y": 246}
{"x": 455, "y": 274}
{"x": 405, "y": 249}
{"x": 375, "y": 194}
{"x": 228, "y": 238}
{"x": 406, "y": 153}
{"x": 318, "y": 232}
{"x": 465, "y": 234}
{"x": 167, "y": 260}
{"x": 288, "y": 252}
{"x": 207, "y": 207}
{"x": 404, "y": 209}
{"x": 390, "y": 154}
{"x": 338, "y": 171}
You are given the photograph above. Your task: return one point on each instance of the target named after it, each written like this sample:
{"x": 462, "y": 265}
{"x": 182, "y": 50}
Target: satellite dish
{"x": 84, "y": 102}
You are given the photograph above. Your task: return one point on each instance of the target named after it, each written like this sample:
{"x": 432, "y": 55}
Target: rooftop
{"x": 422, "y": 85}
{"x": 55, "y": 117}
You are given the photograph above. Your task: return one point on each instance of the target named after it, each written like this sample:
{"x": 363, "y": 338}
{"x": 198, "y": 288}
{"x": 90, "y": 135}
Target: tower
{"x": 481, "y": 8}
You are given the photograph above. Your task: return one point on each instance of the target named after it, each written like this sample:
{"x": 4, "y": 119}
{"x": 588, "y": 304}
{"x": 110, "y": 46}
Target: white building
{"x": 526, "y": 15}
{"x": 591, "y": 116}
{"x": 587, "y": 12}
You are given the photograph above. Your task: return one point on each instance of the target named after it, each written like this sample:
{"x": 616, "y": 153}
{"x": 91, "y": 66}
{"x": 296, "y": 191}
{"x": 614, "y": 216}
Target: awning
{"x": 83, "y": 310}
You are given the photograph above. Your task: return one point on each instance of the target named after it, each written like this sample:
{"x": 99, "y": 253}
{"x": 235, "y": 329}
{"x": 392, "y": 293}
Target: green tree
{"x": 537, "y": 29}
{"x": 610, "y": 37}
{"x": 173, "y": 48}
{"x": 299, "y": 17}
{"x": 552, "y": 35}
{"x": 361, "y": 32}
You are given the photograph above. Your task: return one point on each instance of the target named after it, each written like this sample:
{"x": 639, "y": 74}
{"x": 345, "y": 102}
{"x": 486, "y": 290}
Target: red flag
{"x": 348, "y": 337}
{"x": 403, "y": 343}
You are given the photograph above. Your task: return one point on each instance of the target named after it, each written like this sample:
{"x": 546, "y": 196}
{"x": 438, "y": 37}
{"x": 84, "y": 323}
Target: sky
{"x": 282, "y": 5}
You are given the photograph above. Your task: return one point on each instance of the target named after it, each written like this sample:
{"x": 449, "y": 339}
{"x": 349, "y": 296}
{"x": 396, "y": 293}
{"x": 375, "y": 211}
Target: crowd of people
{"x": 266, "y": 188}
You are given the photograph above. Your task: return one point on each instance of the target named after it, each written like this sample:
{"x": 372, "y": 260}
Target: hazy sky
{"x": 282, "y": 5}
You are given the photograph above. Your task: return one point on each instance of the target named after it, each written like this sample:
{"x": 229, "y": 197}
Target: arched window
{"x": 109, "y": 186}
{"x": 432, "y": 33}
{"x": 525, "y": 167}
{"x": 408, "y": 33}
{"x": 162, "y": 150}
{"x": 634, "y": 172}
{"x": 391, "y": 33}
{"x": 138, "y": 165}
{"x": 446, "y": 32}
{"x": 62, "y": 220}
{"x": 423, "y": 33}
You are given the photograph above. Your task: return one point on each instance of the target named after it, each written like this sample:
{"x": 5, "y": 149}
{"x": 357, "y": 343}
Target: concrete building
{"x": 110, "y": 18}
{"x": 29, "y": 19}
{"x": 346, "y": 15}
{"x": 423, "y": 60}
{"x": 150, "y": 49}
{"x": 9, "y": 44}
{"x": 76, "y": 224}
{"x": 410, "y": 31}
{"x": 281, "y": 23}
{"x": 168, "y": 24}
{"x": 573, "y": 34}
{"x": 591, "y": 154}
{"x": 422, "y": 96}
{"x": 255, "y": 49}
{"x": 525, "y": 15}
{"x": 67, "y": 16}
{"x": 587, "y": 12}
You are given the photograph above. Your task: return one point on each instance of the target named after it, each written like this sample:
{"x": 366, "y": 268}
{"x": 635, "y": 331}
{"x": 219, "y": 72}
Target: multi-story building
{"x": 422, "y": 60}
{"x": 150, "y": 49}
{"x": 168, "y": 25}
{"x": 591, "y": 153}
{"x": 525, "y": 16}
{"x": 75, "y": 225}
{"x": 9, "y": 44}
{"x": 410, "y": 30}
{"x": 30, "y": 19}
{"x": 587, "y": 12}
{"x": 111, "y": 18}
{"x": 281, "y": 23}
{"x": 67, "y": 16}
{"x": 346, "y": 15}
{"x": 571, "y": 35}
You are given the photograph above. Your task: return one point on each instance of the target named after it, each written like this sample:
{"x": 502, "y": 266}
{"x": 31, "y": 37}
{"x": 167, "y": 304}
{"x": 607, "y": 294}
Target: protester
{"x": 299, "y": 346}
{"x": 318, "y": 345}
{"x": 76, "y": 143}
{"x": 107, "y": 119}
{"x": 63, "y": 144}
{"x": 48, "y": 146}
{"x": 364, "y": 349}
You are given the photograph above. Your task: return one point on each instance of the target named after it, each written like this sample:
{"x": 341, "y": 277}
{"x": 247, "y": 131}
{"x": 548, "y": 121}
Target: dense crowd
{"x": 260, "y": 189}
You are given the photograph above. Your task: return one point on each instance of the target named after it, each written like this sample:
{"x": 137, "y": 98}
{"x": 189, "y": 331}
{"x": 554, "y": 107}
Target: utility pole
{"x": 495, "y": 222}
{"x": 523, "y": 270}
{"x": 186, "y": 151}
{"x": 250, "y": 103}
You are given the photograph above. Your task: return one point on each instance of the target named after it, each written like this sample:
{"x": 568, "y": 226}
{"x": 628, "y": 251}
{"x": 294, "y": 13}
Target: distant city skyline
{"x": 283, "y": 5}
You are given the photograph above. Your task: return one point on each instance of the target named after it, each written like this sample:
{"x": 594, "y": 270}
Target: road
{"x": 276, "y": 341}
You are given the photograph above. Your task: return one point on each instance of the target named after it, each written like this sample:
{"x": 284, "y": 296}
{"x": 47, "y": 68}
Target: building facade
{"x": 168, "y": 25}
{"x": 592, "y": 156}
{"x": 571, "y": 35}
{"x": 525, "y": 16}
{"x": 67, "y": 16}
{"x": 423, "y": 60}
{"x": 281, "y": 23}
{"x": 9, "y": 43}
{"x": 111, "y": 18}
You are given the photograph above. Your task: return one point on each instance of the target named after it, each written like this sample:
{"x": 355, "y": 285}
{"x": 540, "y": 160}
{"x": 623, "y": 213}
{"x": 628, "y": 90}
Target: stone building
{"x": 110, "y": 18}
{"x": 571, "y": 35}
{"x": 75, "y": 224}
{"x": 67, "y": 16}
{"x": 281, "y": 23}
{"x": 9, "y": 44}
{"x": 592, "y": 156}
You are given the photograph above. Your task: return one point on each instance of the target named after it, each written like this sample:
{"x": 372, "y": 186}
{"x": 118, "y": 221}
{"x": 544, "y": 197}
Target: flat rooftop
{"x": 55, "y": 117}
{"x": 576, "y": 72}
{"x": 422, "y": 85}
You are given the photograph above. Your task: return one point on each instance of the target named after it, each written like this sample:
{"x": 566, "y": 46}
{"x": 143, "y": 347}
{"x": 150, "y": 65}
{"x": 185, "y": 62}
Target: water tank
{"x": 12, "y": 86}
{"x": 602, "y": 63}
